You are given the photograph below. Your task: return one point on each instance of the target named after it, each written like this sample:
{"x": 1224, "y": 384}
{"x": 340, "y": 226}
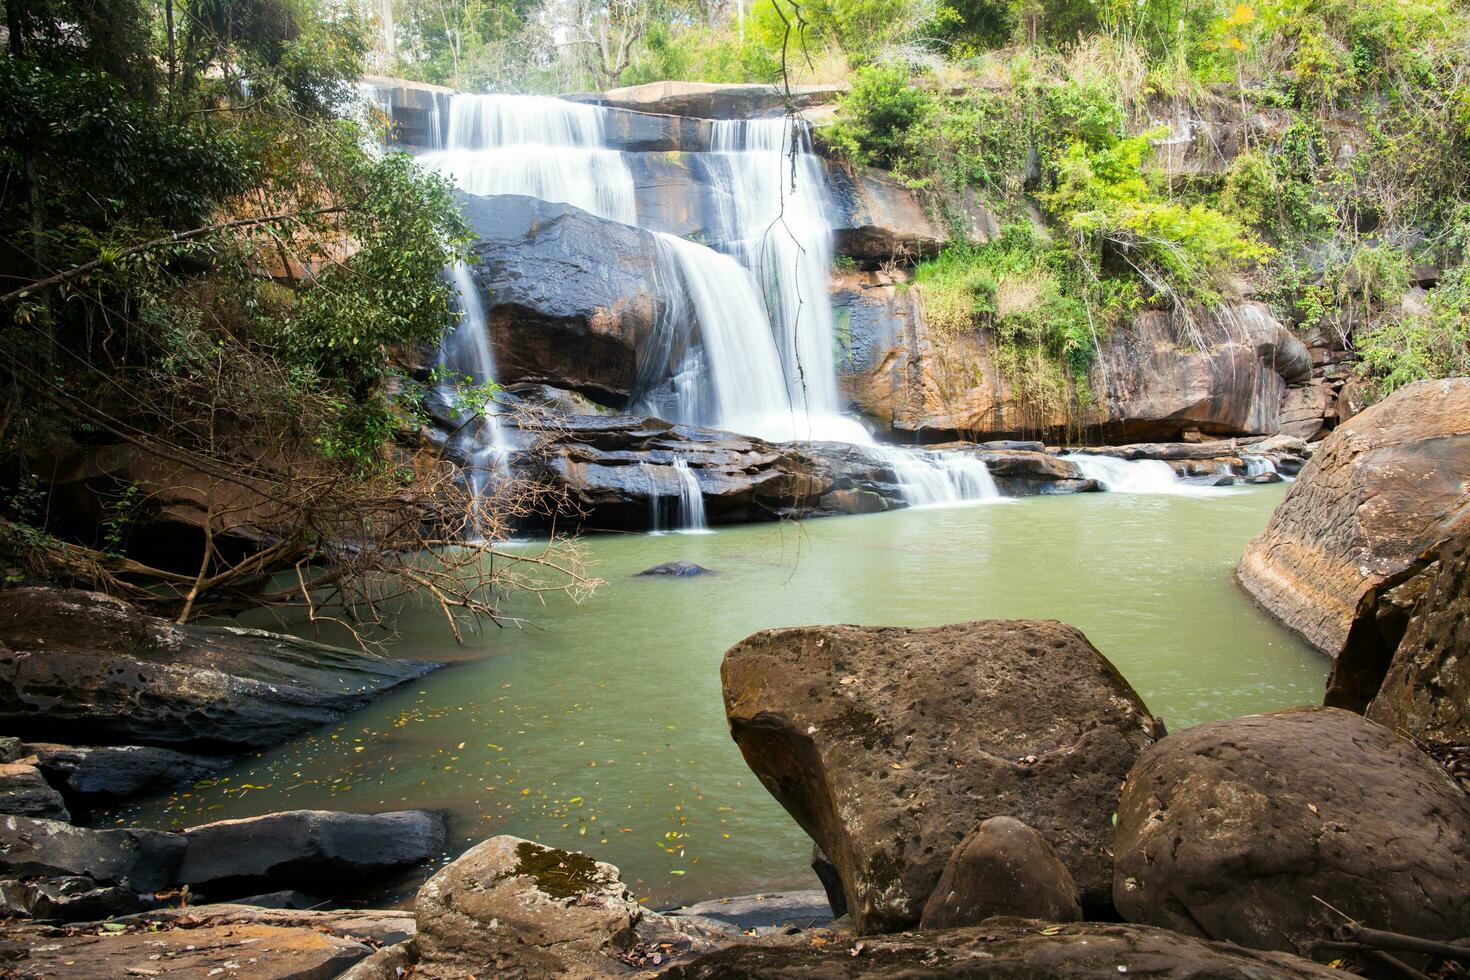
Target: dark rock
{"x": 777, "y": 913}
{"x": 831, "y": 881}
{"x": 11, "y": 749}
{"x": 80, "y": 665}
{"x": 280, "y": 900}
{"x": 78, "y": 899}
{"x": 1002, "y": 948}
{"x": 418, "y": 112}
{"x": 142, "y": 860}
{"x": 887, "y": 745}
{"x": 1267, "y": 830}
{"x": 1386, "y": 486}
{"x": 254, "y": 952}
{"x": 679, "y": 569}
{"x": 569, "y": 298}
{"x": 108, "y": 773}
{"x": 555, "y": 399}
{"x": 1426, "y": 692}
{"x": 1002, "y": 868}
{"x": 25, "y": 792}
{"x": 308, "y": 847}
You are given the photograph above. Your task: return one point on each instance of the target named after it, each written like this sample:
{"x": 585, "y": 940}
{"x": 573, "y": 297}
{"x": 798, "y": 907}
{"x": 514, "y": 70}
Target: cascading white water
{"x": 691, "y": 499}
{"x": 468, "y": 353}
{"x": 687, "y": 499}
{"x": 764, "y": 361}
{"x": 536, "y": 146}
{"x": 1258, "y": 465}
{"x": 1147, "y": 476}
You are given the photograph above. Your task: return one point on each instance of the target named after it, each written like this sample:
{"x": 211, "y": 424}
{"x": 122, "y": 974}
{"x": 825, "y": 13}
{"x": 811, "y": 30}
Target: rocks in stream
{"x": 83, "y": 666}
{"x": 95, "y": 774}
{"x": 1002, "y": 868}
{"x": 677, "y": 569}
{"x": 309, "y": 848}
{"x": 26, "y": 793}
{"x": 1386, "y": 486}
{"x": 888, "y": 745}
{"x": 1267, "y": 830}
{"x": 139, "y": 860}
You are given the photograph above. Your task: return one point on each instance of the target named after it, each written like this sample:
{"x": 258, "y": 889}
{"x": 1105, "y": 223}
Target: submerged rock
{"x": 310, "y": 848}
{"x": 1003, "y": 948}
{"x": 677, "y": 569}
{"x": 1267, "y": 830}
{"x": 83, "y": 666}
{"x": 1386, "y": 486}
{"x": 887, "y": 745}
{"x": 1002, "y": 868}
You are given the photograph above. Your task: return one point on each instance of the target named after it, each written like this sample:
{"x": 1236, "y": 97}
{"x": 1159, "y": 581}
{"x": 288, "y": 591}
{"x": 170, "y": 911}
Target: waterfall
{"x": 1258, "y": 465}
{"x": 754, "y": 298}
{"x": 467, "y": 353}
{"x": 691, "y": 499}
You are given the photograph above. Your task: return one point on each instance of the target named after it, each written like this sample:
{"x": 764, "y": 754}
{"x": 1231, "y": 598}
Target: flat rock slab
{"x": 26, "y": 793}
{"x": 1003, "y": 948}
{"x": 235, "y": 952}
{"x": 378, "y": 927}
{"x": 100, "y": 773}
{"x": 1247, "y": 830}
{"x": 777, "y": 911}
{"x": 80, "y": 666}
{"x": 308, "y": 847}
{"x": 143, "y": 860}
{"x": 889, "y": 745}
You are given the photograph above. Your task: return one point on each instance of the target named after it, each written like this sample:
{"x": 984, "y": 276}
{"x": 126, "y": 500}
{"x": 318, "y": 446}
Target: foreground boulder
{"x": 308, "y": 848}
{"x": 513, "y": 908}
{"x": 1426, "y": 692}
{"x": 1254, "y": 830}
{"x": 83, "y": 666}
{"x": 1384, "y": 487}
{"x": 1003, "y": 948}
{"x": 1002, "y": 868}
{"x": 140, "y": 860}
{"x": 887, "y": 745}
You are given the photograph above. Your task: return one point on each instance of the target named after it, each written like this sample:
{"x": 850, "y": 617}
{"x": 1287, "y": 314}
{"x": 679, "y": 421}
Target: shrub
{"x": 878, "y": 116}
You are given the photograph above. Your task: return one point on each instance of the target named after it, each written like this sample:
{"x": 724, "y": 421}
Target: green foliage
{"x": 880, "y": 116}
{"x": 696, "y": 53}
{"x": 860, "y": 29}
{"x": 1420, "y": 346}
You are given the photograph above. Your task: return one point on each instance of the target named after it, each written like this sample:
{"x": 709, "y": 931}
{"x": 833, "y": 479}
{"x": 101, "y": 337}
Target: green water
{"x": 601, "y": 728}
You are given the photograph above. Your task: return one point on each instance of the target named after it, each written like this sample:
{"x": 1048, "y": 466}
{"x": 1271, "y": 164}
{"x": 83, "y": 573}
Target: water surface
{"x": 602, "y": 727}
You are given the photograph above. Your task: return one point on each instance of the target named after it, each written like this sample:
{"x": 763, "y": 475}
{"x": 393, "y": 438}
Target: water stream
{"x": 602, "y": 728}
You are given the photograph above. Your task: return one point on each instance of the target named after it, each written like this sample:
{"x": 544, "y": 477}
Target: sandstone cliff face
{"x": 1385, "y": 486}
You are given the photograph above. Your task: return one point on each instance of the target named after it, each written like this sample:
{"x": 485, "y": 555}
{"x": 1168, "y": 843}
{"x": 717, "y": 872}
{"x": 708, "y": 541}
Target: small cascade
{"x": 467, "y": 353}
{"x": 928, "y": 479}
{"x": 1130, "y": 475}
{"x": 1258, "y": 465}
{"x": 691, "y": 499}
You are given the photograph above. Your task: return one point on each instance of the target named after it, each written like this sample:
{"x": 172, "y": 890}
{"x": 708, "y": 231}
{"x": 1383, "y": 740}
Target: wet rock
{"x": 711, "y": 100}
{"x": 569, "y": 298}
{"x": 831, "y": 881}
{"x": 877, "y": 219}
{"x": 888, "y": 744}
{"x": 779, "y": 913}
{"x": 1002, "y": 868}
{"x": 678, "y": 569}
{"x": 78, "y": 899}
{"x": 247, "y": 952}
{"x": 1426, "y": 692}
{"x": 142, "y": 860}
{"x": 513, "y": 908}
{"x": 84, "y": 666}
{"x": 307, "y": 847}
{"x": 25, "y": 792}
{"x": 1254, "y": 830}
{"x": 417, "y": 111}
{"x": 1002, "y": 948}
{"x": 96, "y": 774}
{"x": 1386, "y": 486}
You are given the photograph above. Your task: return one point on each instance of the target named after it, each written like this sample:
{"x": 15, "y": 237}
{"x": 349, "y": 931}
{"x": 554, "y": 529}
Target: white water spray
{"x": 1143, "y": 476}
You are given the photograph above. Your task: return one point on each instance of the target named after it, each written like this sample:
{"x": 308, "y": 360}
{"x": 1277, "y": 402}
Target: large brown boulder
{"x": 83, "y": 666}
{"x": 887, "y": 745}
{"x": 1003, "y": 948}
{"x": 1384, "y": 487}
{"x": 1002, "y": 868}
{"x": 1426, "y": 692}
{"x": 1267, "y": 830}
